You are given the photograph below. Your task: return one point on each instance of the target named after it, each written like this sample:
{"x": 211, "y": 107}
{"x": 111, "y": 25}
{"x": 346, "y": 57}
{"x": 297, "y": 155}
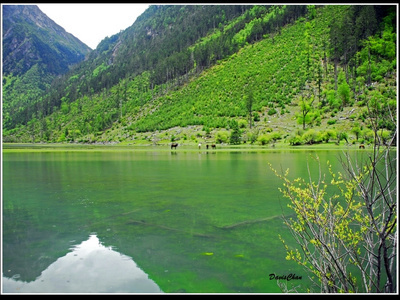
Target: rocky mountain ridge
{"x": 30, "y": 37}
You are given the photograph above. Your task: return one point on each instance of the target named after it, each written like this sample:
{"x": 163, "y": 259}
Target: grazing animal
{"x": 361, "y": 146}
{"x": 199, "y": 146}
{"x": 174, "y": 145}
{"x": 213, "y": 146}
{"x": 207, "y": 147}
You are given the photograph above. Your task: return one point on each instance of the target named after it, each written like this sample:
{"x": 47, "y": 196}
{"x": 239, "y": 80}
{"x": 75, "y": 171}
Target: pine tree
{"x": 236, "y": 134}
{"x": 249, "y": 105}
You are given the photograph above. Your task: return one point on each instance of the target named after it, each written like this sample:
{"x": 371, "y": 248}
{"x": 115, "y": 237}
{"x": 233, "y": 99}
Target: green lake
{"x": 133, "y": 221}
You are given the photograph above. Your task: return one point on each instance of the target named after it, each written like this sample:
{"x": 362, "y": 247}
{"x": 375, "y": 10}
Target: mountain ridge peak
{"x": 25, "y": 28}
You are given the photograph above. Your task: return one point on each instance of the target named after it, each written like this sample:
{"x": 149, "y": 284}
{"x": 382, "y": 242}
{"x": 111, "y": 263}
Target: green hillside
{"x": 292, "y": 83}
{"x": 35, "y": 51}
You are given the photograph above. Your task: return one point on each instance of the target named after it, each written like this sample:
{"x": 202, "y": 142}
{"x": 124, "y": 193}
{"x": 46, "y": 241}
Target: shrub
{"x": 296, "y": 140}
{"x": 242, "y": 123}
{"x": 252, "y": 136}
{"x": 264, "y": 139}
{"x": 328, "y": 134}
{"x": 275, "y": 136}
{"x": 272, "y": 111}
{"x": 222, "y": 137}
{"x": 312, "y": 137}
{"x": 268, "y": 129}
{"x": 331, "y": 121}
{"x": 61, "y": 138}
{"x": 207, "y": 130}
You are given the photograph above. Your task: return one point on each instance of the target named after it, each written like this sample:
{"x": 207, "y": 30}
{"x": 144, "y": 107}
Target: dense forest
{"x": 234, "y": 73}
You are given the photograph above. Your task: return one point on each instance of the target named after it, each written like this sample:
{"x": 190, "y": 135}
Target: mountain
{"x": 35, "y": 51}
{"x": 167, "y": 41}
{"x": 186, "y": 73}
{"x": 30, "y": 37}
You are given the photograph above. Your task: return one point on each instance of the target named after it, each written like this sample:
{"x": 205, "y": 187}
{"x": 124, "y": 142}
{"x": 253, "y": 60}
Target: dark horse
{"x": 362, "y": 146}
{"x": 213, "y": 146}
{"x": 174, "y": 145}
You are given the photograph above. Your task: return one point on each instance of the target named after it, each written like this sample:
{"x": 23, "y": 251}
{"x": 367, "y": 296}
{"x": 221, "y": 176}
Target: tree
{"x": 343, "y": 90}
{"x": 335, "y": 44}
{"x": 365, "y": 23}
{"x": 342, "y": 136}
{"x": 256, "y": 31}
{"x": 249, "y": 105}
{"x": 319, "y": 82}
{"x": 305, "y": 109}
{"x": 333, "y": 101}
{"x": 356, "y": 130}
{"x": 236, "y": 134}
{"x": 347, "y": 238}
{"x": 312, "y": 12}
{"x": 252, "y": 135}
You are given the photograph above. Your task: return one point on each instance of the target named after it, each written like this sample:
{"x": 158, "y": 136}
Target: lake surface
{"x": 148, "y": 221}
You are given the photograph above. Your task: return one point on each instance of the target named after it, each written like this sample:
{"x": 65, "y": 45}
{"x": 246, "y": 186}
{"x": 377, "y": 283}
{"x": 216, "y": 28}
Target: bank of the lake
{"x": 12, "y": 147}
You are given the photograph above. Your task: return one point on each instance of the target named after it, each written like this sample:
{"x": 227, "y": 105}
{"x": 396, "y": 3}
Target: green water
{"x": 195, "y": 222}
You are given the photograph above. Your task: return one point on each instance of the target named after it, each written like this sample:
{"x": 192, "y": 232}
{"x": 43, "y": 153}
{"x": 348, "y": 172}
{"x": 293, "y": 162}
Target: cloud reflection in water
{"x": 89, "y": 268}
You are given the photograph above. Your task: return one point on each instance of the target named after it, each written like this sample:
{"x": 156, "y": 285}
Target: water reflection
{"x": 89, "y": 268}
{"x": 163, "y": 209}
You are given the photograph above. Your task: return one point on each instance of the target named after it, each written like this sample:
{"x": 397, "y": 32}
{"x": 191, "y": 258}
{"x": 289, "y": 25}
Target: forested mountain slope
{"x": 143, "y": 46}
{"x": 35, "y": 51}
{"x": 267, "y": 73}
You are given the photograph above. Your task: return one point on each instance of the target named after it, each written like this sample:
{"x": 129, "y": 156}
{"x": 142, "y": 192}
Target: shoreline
{"x": 189, "y": 147}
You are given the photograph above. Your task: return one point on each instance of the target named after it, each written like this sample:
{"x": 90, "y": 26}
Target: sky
{"x": 91, "y": 23}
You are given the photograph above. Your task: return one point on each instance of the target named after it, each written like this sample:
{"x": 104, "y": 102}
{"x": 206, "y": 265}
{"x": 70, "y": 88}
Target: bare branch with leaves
{"x": 347, "y": 237}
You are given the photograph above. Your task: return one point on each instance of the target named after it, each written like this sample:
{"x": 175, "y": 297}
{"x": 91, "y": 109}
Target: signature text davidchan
{"x": 289, "y": 277}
